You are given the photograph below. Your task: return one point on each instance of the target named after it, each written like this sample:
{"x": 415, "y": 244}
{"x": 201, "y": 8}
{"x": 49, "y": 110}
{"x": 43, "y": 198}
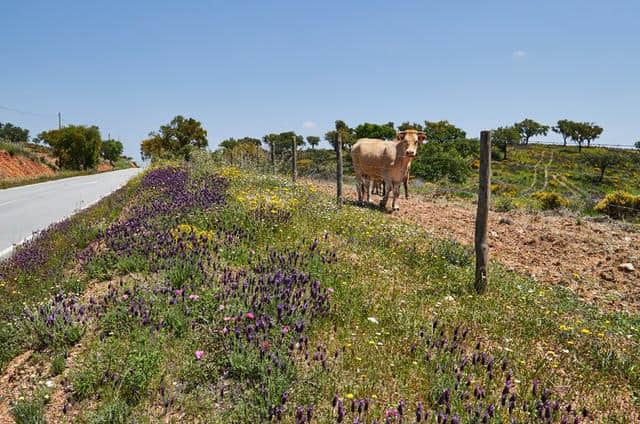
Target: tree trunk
{"x": 565, "y": 141}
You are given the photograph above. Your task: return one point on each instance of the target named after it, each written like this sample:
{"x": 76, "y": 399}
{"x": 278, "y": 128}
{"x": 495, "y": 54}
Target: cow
{"x": 389, "y": 161}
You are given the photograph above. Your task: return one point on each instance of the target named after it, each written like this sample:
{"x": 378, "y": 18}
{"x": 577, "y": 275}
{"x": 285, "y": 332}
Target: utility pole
{"x": 59, "y": 121}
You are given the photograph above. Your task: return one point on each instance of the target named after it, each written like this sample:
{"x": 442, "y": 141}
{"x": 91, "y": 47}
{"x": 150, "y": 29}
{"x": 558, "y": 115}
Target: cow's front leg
{"x": 396, "y": 194}
{"x": 385, "y": 195}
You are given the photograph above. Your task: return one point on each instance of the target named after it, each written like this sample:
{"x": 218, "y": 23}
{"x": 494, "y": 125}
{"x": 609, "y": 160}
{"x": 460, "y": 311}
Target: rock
{"x": 627, "y": 267}
{"x": 373, "y": 320}
{"x": 505, "y": 220}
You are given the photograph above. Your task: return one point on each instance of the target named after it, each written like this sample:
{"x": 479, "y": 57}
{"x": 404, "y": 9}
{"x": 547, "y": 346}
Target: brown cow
{"x": 389, "y": 161}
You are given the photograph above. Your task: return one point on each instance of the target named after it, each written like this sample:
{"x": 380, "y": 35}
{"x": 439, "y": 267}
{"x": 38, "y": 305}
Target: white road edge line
{"x": 9, "y": 250}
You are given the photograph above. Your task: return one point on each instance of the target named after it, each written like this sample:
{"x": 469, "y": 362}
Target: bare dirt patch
{"x": 582, "y": 255}
{"x": 21, "y": 167}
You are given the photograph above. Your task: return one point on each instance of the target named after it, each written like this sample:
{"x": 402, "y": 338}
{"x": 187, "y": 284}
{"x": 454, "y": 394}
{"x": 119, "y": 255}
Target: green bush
{"x": 550, "y": 200}
{"x": 619, "y": 204}
{"x": 504, "y": 204}
{"x": 437, "y": 161}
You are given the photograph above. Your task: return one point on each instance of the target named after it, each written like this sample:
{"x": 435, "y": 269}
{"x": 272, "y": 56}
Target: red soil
{"x": 21, "y": 167}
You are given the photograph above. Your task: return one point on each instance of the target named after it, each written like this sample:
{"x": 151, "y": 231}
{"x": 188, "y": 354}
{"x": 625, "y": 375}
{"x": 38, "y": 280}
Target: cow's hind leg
{"x": 359, "y": 182}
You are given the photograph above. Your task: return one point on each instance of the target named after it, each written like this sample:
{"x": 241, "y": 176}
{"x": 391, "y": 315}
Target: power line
{"x": 24, "y": 112}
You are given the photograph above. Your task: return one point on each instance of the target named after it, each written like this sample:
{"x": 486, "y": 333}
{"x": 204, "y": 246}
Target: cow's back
{"x": 372, "y": 156}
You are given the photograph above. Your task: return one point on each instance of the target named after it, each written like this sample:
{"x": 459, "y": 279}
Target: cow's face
{"x": 413, "y": 139}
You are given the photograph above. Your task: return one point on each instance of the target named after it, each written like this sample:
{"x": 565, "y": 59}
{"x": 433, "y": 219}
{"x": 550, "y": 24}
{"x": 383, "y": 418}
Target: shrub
{"x": 550, "y": 200}
{"x": 619, "y": 204}
{"x": 436, "y": 161}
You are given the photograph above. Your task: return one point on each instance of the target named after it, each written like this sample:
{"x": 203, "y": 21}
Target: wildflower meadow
{"x": 207, "y": 293}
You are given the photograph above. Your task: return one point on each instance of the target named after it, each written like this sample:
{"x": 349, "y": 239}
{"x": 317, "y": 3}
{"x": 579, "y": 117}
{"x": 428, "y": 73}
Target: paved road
{"x": 30, "y": 208}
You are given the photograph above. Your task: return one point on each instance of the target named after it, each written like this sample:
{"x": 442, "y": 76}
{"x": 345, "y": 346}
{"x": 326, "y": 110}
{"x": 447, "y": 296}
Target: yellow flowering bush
{"x": 550, "y": 199}
{"x": 230, "y": 172}
{"x": 269, "y": 204}
{"x": 619, "y": 204}
{"x": 190, "y": 235}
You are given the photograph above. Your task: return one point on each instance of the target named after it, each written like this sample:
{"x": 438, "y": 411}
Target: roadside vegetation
{"x": 226, "y": 294}
{"x": 66, "y": 152}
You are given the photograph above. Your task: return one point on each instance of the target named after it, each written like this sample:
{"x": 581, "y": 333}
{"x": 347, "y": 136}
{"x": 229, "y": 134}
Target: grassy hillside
{"x": 223, "y": 295}
{"x": 544, "y": 168}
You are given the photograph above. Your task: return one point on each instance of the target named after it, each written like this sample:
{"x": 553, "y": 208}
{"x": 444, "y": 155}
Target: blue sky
{"x": 246, "y": 68}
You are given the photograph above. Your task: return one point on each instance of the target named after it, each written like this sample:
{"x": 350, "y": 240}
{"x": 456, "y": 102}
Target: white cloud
{"x": 309, "y": 125}
{"x": 519, "y": 54}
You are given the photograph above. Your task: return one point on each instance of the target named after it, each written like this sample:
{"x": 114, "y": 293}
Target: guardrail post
{"x": 482, "y": 216}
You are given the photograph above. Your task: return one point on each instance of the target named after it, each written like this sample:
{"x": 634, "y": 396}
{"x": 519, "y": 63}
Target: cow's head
{"x": 413, "y": 139}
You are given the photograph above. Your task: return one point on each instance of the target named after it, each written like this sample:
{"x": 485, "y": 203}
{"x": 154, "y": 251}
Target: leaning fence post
{"x": 482, "y": 216}
{"x": 294, "y": 160}
{"x": 339, "y": 170}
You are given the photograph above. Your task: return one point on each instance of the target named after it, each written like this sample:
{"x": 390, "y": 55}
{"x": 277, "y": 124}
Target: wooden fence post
{"x": 339, "y": 170}
{"x": 294, "y": 160}
{"x": 482, "y": 216}
{"x": 273, "y": 157}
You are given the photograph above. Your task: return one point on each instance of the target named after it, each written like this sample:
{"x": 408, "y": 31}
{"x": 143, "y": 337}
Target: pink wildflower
{"x": 199, "y": 354}
{"x": 285, "y": 329}
{"x": 250, "y": 315}
{"x": 194, "y": 297}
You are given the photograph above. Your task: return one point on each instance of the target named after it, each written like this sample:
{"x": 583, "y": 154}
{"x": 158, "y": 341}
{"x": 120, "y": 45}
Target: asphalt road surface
{"x": 30, "y": 208}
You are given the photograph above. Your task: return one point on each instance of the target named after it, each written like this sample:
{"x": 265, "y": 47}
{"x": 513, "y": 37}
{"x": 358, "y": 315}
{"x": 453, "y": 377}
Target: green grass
{"x": 390, "y": 281}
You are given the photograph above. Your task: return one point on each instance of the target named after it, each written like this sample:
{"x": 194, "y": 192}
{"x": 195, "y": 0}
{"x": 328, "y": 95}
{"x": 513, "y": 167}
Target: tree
{"x": 347, "y": 135}
{"x": 368, "y": 130}
{"x": 505, "y": 136}
{"x": 75, "y": 146}
{"x": 529, "y": 128}
{"x": 111, "y": 150}
{"x": 13, "y": 134}
{"x": 410, "y": 126}
{"x": 230, "y": 143}
{"x": 603, "y": 160}
{"x": 177, "y": 139}
{"x": 442, "y": 131}
{"x": 637, "y": 145}
{"x": 584, "y": 131}
{"x": 593, "y": 131}
{"x": 313, "y": 141}
{"x": 563, "y": 127}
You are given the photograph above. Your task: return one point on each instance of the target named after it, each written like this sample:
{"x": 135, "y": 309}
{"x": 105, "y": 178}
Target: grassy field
{"x": 221, "y": 295}
{"x": 545, "y": 168}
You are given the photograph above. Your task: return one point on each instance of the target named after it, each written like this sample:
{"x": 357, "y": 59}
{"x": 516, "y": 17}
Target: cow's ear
{"x": 421, "y": 136}
{"x": 400, "y": 135}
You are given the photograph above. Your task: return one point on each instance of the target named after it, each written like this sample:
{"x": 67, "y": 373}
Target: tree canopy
{"x": 410, "y": 126}
{"x": 230, "y": 143}
{"x": 111, "y": 150}
{"x": 177, "y": 139}
{"x": 75, "y": 146}
{"x": 381, "y": 131}
{"x": 442, "y": 131}
{"x": 529, "y": 128}
{"x": 13, "y": 134}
